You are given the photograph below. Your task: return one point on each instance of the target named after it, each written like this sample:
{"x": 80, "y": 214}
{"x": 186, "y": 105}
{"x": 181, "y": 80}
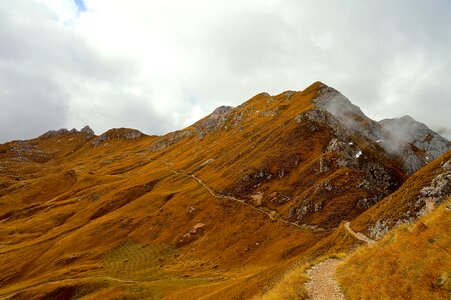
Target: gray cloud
{"x": 151, "y": 66}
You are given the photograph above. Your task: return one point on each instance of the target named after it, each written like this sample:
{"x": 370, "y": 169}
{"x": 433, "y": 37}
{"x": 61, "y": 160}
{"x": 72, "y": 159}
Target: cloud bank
{"x": 160, "y": 65}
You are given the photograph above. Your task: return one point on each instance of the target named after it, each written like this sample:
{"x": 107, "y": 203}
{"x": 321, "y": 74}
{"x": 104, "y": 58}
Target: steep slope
{"x": 287, "y": 155}
{"x": 218, "y": 209}
{"x": 425, "y": 190}
{"x": 411, "y": 262}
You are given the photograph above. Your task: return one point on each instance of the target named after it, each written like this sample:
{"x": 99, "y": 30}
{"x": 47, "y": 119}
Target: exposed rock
{"x": 170, "y": 139}
{"x": 117, "y": 133}
{"x": 53, "y": 133}
{"x": 190, "y": 235}
{"x": 437, "y": 191}
{"x": 215, "y": 120}
{"x": 63, "y": 132}
{"x": 88, "y": 131}
{"x": 66, "y": 260}
{"x": 429, "y": 196}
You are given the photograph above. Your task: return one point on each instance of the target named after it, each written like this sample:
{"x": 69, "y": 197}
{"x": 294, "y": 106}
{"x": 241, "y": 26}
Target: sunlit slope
{"x": 285, "y": 154}
{"x": 427, "y": 188}
{"x": 219, "y": 209}
{"x": 411, "y": 262}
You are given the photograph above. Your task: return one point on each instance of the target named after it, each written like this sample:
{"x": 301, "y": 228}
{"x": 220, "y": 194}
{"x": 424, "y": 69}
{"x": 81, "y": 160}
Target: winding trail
{"x": 217, "y": 195}
{"x": 358, "y": 235}
{"x": 323, "y": 284}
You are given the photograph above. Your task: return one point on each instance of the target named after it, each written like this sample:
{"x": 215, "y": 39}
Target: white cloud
{"x": 158, "y": 65}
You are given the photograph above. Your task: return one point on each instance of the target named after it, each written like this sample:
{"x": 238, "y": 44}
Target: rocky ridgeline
{"x": 63, "y": 132}
{"x": 117, "y": 133}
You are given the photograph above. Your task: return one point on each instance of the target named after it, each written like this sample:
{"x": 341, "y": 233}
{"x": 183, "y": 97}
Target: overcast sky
{"x": 161, "y": 65}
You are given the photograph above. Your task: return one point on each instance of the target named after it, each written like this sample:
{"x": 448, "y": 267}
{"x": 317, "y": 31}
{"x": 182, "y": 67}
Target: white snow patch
{"x": 379, "y": 141}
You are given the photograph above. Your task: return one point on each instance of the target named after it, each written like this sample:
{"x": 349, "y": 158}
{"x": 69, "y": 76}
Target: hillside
{"x": 411, "y": 262}
{"x": 220, "y": 209}
{"x": 423, "y": 191}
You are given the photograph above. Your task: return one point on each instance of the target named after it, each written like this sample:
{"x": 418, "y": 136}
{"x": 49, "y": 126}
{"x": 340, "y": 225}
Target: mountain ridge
{"x": 205, "y": 210}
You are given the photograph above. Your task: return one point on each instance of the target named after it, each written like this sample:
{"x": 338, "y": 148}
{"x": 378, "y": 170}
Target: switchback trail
{"x": 217, "y": 195}
{"x": 323, "y": 284}
{"x": 358, "y": 235}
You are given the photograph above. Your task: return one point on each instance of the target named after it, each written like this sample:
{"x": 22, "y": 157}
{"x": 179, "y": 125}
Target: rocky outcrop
{"x": 215, "y": 120}
{"x": 117, "y": 133}
{"x": 170, "y": 139}
{"x": 87, "y": 130}
{"x": 191, "y": 235}
{"x": 63, "y": 132}
{"x": 428, "y": 198}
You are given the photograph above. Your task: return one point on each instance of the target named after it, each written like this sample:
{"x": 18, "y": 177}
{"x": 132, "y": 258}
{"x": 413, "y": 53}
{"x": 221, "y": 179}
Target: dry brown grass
{"x": 411, "y": 262}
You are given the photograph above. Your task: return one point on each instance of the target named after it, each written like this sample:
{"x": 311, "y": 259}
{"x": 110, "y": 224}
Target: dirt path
{"x": 323, "y": 284}
{"x": 358, "y": 235}
{"x": 217, "y": 195}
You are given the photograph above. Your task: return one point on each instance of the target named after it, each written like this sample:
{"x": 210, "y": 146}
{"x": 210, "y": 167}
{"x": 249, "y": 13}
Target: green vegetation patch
{"x": 134, "y": 261}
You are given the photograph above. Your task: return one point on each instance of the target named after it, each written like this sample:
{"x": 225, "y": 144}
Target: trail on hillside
{"x": 217, "y": 195}
{"x": 358, "y": 235}
{"x": 323, "y": 284}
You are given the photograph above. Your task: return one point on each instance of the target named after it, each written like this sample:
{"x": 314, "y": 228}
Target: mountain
{"x": 220, "y": 209}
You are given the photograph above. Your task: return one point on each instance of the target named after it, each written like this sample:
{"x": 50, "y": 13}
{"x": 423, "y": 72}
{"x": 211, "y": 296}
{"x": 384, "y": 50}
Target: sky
{"x": 159, "y": 66}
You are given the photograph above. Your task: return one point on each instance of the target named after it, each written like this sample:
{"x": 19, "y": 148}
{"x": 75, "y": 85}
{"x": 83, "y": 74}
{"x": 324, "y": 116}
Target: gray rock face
{"x": 408, "y": 129}
{"x": 117, "y": 133}
{"x": 214, "y": 121}
{"x": 169, "y": 139}
{"x": 87, "y": 130}
{"x": 355, "y": 121}
{"x": 53, "y": 133}
{"x": 63, "y": 131}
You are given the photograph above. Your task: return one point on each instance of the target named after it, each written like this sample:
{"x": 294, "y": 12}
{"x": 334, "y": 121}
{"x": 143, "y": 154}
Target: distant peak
{"x": 87, "y": 130}
{"x": 63, "y": 131}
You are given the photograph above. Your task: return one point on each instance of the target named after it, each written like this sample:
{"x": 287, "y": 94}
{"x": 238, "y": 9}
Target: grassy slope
{"x": 79, "y": 220}
{"x": 66, "y": 217}
{"x": 411, "y": 262}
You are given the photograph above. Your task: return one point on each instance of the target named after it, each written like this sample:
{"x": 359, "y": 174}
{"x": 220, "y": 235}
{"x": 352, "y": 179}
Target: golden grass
{"x": 411, "y": 262}
{"x": 291, "y": 285}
